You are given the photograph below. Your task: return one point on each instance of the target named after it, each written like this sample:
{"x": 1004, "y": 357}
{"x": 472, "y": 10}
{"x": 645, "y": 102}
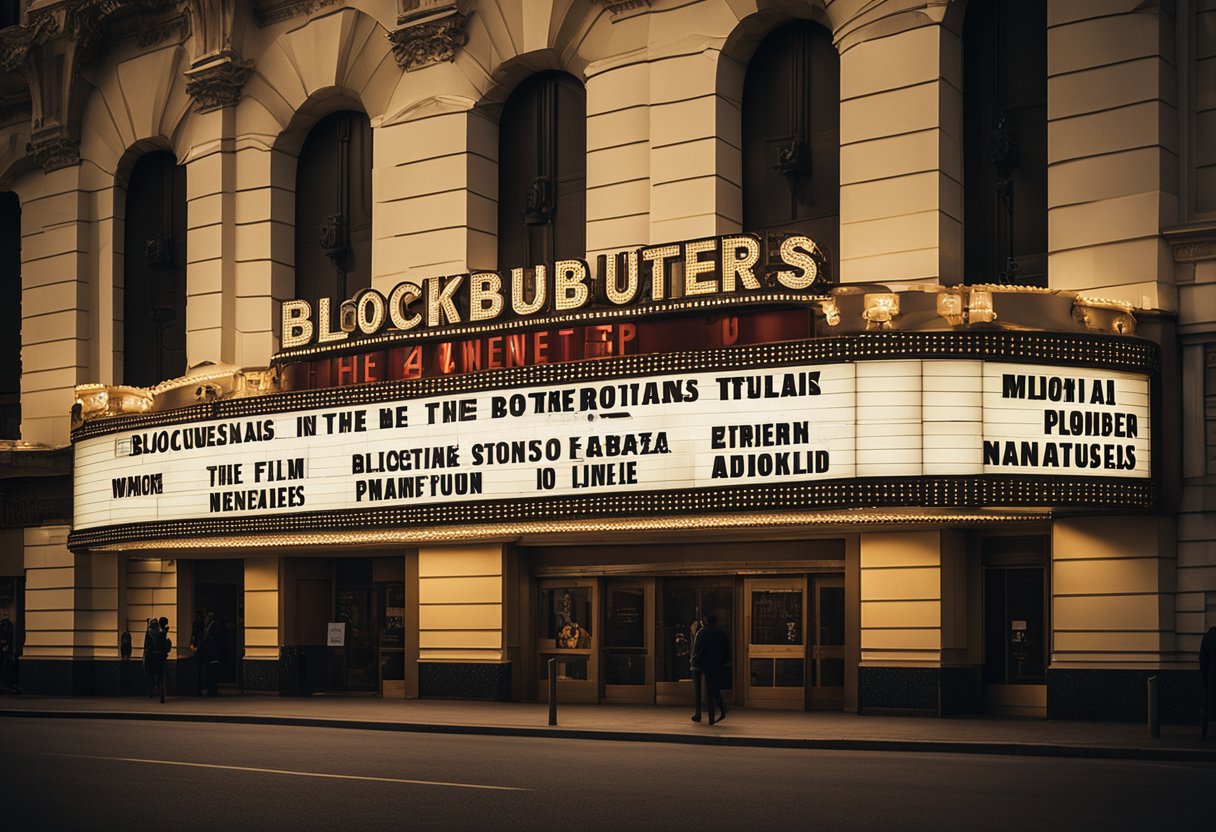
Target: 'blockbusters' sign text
{"x": 698, "y": 430}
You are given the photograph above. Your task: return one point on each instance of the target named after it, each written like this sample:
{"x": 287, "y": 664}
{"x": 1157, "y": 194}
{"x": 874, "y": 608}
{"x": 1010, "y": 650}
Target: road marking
{"x": 286, "y": 771}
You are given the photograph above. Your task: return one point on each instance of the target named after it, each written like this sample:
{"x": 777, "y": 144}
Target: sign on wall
{"x": 830, "y": 421}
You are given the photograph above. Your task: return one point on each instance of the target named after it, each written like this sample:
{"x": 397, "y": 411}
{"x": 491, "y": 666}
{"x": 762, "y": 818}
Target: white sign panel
{"x": 686, "y": 431}
{"x": 335, "y": 634}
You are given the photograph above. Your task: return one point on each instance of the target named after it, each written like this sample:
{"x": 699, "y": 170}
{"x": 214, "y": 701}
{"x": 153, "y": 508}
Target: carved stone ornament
{"x": 618, "y": 8}
{"x": 218, "y": 82}
{"x": 54, "y": 151}
{"x": 428, "y": 32}
{"x": 267, "y": 12}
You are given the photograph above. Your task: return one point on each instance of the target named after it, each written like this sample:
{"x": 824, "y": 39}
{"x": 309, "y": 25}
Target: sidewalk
{"x": 775, "y": 729}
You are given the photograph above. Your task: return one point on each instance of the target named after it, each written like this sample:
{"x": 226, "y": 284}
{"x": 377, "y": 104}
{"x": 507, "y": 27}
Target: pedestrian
{"x": 156, "y": 653}
{"x": 213, "y": 651}
{"x": 197, "y": 628}
{"x": 8, "y": 648}
{"x": 711, "y": 653}
{"x": 695, "y": 629}
{"x": 1207, "y": 676}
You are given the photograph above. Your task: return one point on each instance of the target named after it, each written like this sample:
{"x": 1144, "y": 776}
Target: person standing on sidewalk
{"x": 695, "y": 630}
{"x": 197, "y": 628}
{"x": 156, "y": 652}
{"x": 213, "y": 651}
{"x": 711, "y": 653}
{"x": 1207, "y": 676}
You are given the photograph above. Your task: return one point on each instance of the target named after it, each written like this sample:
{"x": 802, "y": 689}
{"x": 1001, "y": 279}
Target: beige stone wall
{"x": 1112, "y": 592}
{"x": 262, "y": 607}
{"x": 460, "y": 603}
{"x": 71, "y": 601}
{"x": 1112, "y": 139}
{"x": 901, "y": 598}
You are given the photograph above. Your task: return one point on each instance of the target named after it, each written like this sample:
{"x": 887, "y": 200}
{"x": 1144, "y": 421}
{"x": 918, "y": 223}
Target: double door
{"x": 629, "y": 640}
{"x": 795, "y": 642}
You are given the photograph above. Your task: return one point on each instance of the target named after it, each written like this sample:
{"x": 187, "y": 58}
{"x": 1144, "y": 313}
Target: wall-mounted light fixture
{"x": 980, "y": 309}
{"x": 880, "y": 309}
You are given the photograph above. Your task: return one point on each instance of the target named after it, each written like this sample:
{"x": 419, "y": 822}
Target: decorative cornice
{"x": 217, "y": 82}
{"x": 428, "y": 32}
{"x": 174, "y": 26}
{"x": 621, "y": 8}
{"x": 53, "y": 150}
{"x": 1192, "y": 243}
{"x": 267, "y": 12}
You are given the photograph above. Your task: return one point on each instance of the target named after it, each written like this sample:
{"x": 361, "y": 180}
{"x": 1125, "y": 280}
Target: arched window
{"x": 154, "y": 271}
{"x": 10, "y": 316}
{"x": 542, "y": 172}
{"x": 791, "y": 137}
{"x": 334, "y": 208}
{"x": 1005, "y": 141}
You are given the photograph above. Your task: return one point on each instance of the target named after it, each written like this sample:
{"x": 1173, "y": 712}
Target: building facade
{"x": 425, "y": 342}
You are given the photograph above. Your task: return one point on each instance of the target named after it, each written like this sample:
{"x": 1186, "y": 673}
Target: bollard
{"x": 552, "y": 691}
{"x": 1154, "y": 716}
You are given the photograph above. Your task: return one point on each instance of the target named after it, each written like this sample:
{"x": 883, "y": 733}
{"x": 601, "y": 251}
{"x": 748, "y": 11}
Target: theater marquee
{"x": 765, "y": 427}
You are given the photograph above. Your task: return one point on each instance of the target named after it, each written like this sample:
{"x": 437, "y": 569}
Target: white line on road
{"x": 285, "y": 771}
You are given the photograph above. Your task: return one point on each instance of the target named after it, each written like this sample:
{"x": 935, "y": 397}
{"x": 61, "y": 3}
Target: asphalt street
{"x": 109, "y": 774}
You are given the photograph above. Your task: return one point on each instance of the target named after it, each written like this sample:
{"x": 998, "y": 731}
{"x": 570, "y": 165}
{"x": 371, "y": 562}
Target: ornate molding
{"x": 218, "y": 82}
{"x": 621, "y": 8}
{"x": 173, "y": 27}
{"x": 53, "y": 150}
{"x": 428, "y": 32}
{"x": 267, "y": 12}
{"x": 1192, "y": 243}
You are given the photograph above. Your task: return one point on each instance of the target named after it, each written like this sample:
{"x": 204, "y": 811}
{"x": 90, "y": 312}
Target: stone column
{"x": 71, "y": 617}
{"x": 901, "y": 193}
{"x": 618, "y": 160}
{"x": 1112, "y": 149}
{"x": 1113, "y": 619}
{"x": 262, "y": 622}
{"x": 436, "y": 196}
{"x": 691, "y": 125}
{"x": 462, "y": 623}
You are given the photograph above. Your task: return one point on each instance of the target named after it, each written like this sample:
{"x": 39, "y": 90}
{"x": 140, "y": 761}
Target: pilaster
{"x": 901, "y": 197}
{"x": 1112, "y": 149}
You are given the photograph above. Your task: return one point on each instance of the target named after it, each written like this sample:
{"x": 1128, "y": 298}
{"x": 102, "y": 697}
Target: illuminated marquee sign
{"x": 687, "y": 432}
{"x": 735, "y": 263}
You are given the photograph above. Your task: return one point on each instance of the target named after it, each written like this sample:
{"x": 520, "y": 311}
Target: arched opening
{"x": 334, "y": 208}
{"x": 10, "y": 316}
{"x": 542, "y": 172}
{"x": 791, "y": 137}
{"x": 154, "y": 271}
{"x": 1005, "y": 141}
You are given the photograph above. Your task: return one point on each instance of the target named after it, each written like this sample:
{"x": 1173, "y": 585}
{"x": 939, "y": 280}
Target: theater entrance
{"x": 683, "y": 602}
{"x": 346, "y": 623}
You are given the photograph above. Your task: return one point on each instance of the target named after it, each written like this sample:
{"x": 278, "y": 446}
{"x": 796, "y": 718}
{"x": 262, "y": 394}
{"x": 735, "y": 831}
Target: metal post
{"x": 1154, "y": 715}
{"x": 553, "y": 691}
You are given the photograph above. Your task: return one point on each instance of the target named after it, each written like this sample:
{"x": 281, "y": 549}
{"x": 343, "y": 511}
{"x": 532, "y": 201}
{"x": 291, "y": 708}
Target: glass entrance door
{"x": 567, "y": 631}
{"x": 775, "y": 627}
{"x": 683, "y": 601}
{"x": 628, "y": 629}
{"x": 826, "y": 689}
{"x": 1014, "y": 625}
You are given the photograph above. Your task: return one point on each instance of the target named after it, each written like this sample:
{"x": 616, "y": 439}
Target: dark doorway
{"x": 334, "y": 209}
{"x": 791, "y": 137}
{"x": 683, "y": 601}
{"x": 154, "y": 271}
{"x": 1005, "y": 141}
{"x": 219, "y": 587}
{"x": 1014, "y": 626}
{"x": 542, "y": 172}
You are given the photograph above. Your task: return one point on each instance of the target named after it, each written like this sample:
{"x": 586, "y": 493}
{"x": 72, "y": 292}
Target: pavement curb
{"x": 1021, "y": 749}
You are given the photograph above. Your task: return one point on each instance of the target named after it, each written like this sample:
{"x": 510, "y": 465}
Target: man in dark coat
{"x": 711, "y": 653}
{"x": 1207, "y": 674}
{"x": 213, "y": 651}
